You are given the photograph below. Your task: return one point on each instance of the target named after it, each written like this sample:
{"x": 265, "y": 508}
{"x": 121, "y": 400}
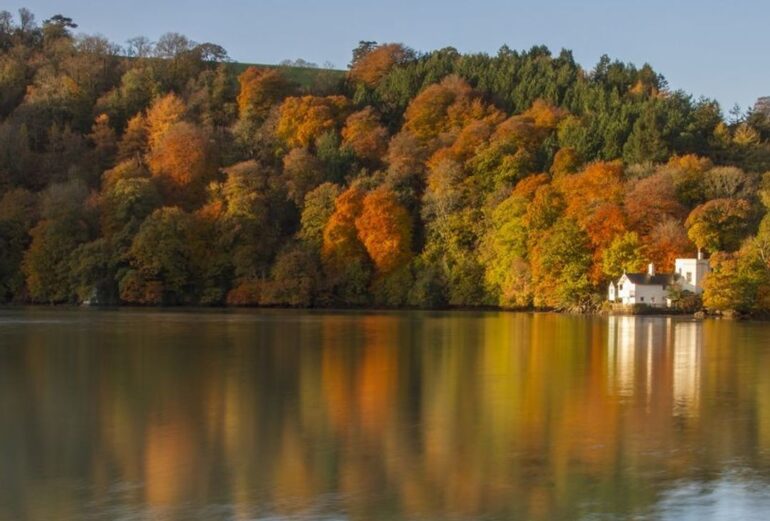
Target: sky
{"x": 718, "y": 49}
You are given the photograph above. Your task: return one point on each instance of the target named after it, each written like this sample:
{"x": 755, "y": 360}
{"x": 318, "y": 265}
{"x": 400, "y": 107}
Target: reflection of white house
{"x": 652, "y": 288}
{"x": 647, "y": 356}
{"x": 688, "y": 343}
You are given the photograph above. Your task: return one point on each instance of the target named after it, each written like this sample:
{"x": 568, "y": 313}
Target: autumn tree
{"x": 651, "y": 201}
{"x": 303, "y": 172}
{"x": 385, "y": 229}
{"x": 719, "y": 224}
{"x": 406, "y": 168}
{"x": 445, "y": 107}
{"x": 251, "y": 203}
{"x": 561, "y": 262}
{"x": 593, "y": 199}
{"x": 304, "y": 119}
{"x": 513, "y": 148}
{"x": 164, "y": 113}
{"x": 505, "y": 253}
{"x": 626, "y": 253}
{"x": 667, "y": 242}
{"x": 738, "y": 281}
{"x": 160, "y": 260}
{"x": 126, "y": 203}
{"x": 729, "y": 182}
{"x": 133, "y": 143}
{"x": 182, "y": 161}
{"x": 565, "y": 161}
{"x": 346, "y": 262}
{"x": 260, "y": 89}
{"x": 293, "y": 279}
{"x": 318, "y": 207}
{"x": 61, "y": 230}
{"x": 370, "y": 67}
{"x": 365, "y": 135}
{"x": 104, "y": 141}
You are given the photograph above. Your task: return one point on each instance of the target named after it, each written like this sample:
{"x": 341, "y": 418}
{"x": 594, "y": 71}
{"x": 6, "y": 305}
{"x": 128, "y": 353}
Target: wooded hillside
{"x": 163, "y": 173}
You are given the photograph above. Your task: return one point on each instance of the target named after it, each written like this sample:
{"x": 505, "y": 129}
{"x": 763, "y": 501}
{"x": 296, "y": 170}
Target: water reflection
{"x": 650, "y": 356}
{"x": 138, "y": 415}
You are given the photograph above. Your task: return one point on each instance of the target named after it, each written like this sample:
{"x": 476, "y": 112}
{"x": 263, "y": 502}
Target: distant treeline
{"x": 163, "y": 173}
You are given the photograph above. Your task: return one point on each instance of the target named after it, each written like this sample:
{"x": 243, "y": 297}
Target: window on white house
{"x": 689, "y": 276}
{"x": 653, "y": 299}
{"x": 620, "y": 287}
{"x": 641, "y": 299}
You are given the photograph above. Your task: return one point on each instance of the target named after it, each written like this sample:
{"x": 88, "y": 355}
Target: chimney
{"x": 651, "y": 269}
{"x": 700, "y": 254}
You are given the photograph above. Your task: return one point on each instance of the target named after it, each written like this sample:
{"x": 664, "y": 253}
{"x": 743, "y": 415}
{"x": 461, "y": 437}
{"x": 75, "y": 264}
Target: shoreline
{"x": 647, "y": 312}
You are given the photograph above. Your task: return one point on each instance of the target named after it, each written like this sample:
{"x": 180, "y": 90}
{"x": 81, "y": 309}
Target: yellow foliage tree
{"x": 545, "y": 115}
{"x": 162, "y": 115}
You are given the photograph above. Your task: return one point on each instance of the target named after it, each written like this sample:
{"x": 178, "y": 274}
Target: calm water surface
{"x": 133, "y": 415}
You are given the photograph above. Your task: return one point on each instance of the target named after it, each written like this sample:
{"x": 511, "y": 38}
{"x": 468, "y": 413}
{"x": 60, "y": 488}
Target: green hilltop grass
{"x": 303, "y": 76}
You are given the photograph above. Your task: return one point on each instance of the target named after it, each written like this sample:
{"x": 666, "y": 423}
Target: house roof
{"x": 645, "y": 279}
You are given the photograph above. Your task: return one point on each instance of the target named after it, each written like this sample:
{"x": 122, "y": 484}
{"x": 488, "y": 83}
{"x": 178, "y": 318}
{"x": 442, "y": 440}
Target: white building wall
{"x": 650, "y": 295}
{"x": 692, "y": 272}
{"x": 624, "y": 289}
{"x": 630, "y": 293}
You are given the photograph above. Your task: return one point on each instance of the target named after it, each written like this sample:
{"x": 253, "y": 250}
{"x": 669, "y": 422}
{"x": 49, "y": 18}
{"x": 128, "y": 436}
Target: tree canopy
{"x": 163, "y": 173}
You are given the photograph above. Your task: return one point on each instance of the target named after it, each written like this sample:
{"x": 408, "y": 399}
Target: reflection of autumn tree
{"x": 428, "y": 415}
{"x": 169, "y": 454}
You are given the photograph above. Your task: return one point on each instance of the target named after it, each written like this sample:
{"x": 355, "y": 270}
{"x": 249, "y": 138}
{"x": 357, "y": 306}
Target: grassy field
{"x": 303, "y": 76}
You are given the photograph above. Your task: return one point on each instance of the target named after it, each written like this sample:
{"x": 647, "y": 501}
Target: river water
{"x": 198, "y": 415}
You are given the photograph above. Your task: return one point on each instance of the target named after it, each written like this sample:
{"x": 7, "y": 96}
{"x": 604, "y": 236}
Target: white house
{"x": 652, "y": 288}
{"x": 691, "y": 272}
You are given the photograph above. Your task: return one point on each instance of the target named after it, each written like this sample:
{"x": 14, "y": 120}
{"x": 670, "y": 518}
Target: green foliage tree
{"x": 161, "y": 260}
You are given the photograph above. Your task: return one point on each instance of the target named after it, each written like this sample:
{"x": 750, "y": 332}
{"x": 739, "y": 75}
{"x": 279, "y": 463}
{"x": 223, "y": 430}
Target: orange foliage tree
{"x": 260, "y": 89}
{"x": 340, "y": 237}
{"x": 668, "y": 241}
{"x": 593, "y": 198}
{"x": 528, "y": 186}
{"x": 385, "y": 229}
{"x": 544, "y": 115}
{"x": 182, "y": 160}
{"x": 375, "y": 64}
{"x": 444, "y": 107}
{"x": 162, "y": 115}
{"x": 651, "y": 201}
{"x": 365, "y": 135}
{"x": 303, "y": 119}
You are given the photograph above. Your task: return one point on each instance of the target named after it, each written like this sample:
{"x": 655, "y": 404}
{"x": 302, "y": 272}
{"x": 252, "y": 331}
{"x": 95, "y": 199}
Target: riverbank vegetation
{"x": 162, "y": 173}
